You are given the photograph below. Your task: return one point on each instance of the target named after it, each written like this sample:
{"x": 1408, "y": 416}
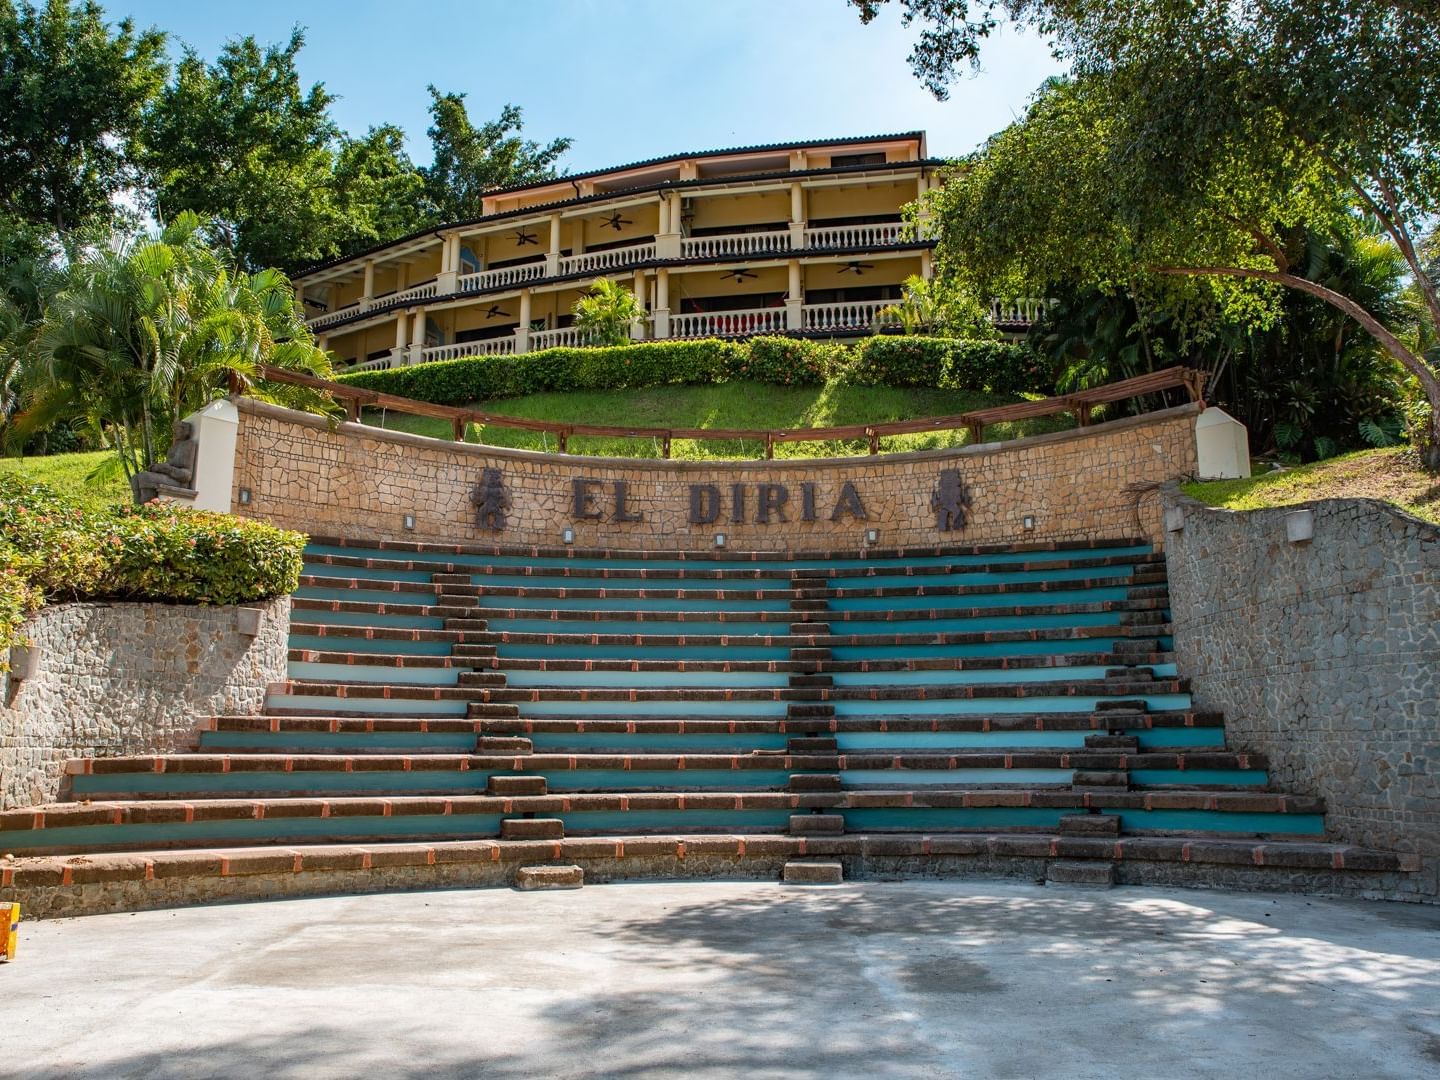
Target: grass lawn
{"x": 1392, "y": 474}
{"x": 67, "y": 473}
{"x": 729, "y": 405}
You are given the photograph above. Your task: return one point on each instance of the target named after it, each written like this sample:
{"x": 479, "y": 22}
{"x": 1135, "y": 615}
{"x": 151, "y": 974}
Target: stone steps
{"x": 58, "y": 885}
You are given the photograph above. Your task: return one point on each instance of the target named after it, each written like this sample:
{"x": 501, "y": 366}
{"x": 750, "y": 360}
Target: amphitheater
{"x": 1029, "y": 659}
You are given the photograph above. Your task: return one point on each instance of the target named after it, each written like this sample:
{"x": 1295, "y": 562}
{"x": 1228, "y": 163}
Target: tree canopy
{"x": 1195, "y": 140}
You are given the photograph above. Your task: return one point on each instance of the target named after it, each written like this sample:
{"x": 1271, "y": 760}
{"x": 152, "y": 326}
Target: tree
{"x": 1196, "y": 139}
{"x": 928, "y": 307}
{"x": 606, "y": 313}
{"x": 241, "y": 144}
{"x": 380, "y": 192}
{"x": 471, "y": 160}
{"x": 72, "y": 94}
{"x": 143, "y": 333}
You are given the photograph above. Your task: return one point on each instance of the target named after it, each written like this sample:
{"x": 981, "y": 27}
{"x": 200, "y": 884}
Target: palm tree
{"x": 141, "y": 334}
{"x": 605, "y": 314}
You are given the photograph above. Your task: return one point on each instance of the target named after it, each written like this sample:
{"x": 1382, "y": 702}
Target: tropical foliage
{"x": 1195, "y": 147}
{"x": 140, "y": 334}
{"x": 607, "y": 312}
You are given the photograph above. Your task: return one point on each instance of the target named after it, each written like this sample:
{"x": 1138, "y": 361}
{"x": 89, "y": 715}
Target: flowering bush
{"x": 53, "y": 549}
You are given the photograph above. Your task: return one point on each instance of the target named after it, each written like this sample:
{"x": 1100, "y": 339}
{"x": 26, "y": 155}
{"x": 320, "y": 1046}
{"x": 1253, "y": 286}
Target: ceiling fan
{"x": 738, "y": 275}
{"x": 522, "y": 237}
{"x": 858, "y": 268}
{"x": 615, "y": 221}
{"x": 495, "y": 309}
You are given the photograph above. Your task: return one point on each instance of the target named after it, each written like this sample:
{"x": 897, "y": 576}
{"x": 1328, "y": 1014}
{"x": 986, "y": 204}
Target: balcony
{"x": 599, "y": 262}
{"x": 498, "y": 346}
{"x": 734, "y": 244}
{"x": 728, "y": 323}
{"x": 880, "y": 234}
{"x": 845, "y": 317}
{"x": 501, "y": 278}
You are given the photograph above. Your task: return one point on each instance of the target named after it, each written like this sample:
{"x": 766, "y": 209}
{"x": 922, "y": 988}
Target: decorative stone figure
{"x": 950, "y": 501}
{"x": 176, "y": 471}
{"x": 492, "y": 501}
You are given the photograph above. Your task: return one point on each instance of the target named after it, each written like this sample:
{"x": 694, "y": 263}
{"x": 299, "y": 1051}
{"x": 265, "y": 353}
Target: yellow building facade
{"x": 804, "y": 239}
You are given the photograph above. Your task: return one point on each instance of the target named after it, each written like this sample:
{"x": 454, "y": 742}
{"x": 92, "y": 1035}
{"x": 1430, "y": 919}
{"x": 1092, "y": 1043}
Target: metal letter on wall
{"x": 950, "y": 501}
{"x": 492, "y": 501}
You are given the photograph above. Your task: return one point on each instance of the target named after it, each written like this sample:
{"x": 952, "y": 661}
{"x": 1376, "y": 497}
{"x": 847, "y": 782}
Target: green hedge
{"x": 884, "y": 360}
{"x": 54, "y": 548}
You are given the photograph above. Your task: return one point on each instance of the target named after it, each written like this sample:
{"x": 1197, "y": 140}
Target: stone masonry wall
{"x": 353, "y": 481}
{"x": 128, "y": 678}
{"x": 1325, "y": 656}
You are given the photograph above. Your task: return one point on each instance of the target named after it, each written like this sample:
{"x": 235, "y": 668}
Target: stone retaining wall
{"x": 300, "y": 471}
{"x": 1323, "y": 654}
{"x": 128, "y": 678}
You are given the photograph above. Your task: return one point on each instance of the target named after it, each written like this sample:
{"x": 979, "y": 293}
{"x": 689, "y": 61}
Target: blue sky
{"x": 627, "y": 79}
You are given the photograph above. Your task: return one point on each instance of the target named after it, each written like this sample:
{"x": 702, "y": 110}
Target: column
{"x": 795, "y": 299}
{"x": 552, "y": 258}
{"x": 367, "y": 290}
{"x": 662, "y": 303}
{"x": 447, "y": 281}
{"x": 577, "y": 237}
{"x": 797, "y": 216}
{"x": 667, "y": 240}
{"x": 637, "y": 328}
{"x": 522, "y": 332}
{"x": 397, "y": 354}
{"x": 417, "y": 337}
{"x": 300, "y": 301}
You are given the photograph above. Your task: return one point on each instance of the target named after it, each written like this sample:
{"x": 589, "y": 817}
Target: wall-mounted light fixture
{"x": 1300, "y": 526}
{"x": 567, "y": 536}
{"x": 719, "y": 540}
{"x": 872, "y": 536}
{"x": 1028, "y": 522}
{"x": 410, "y": 522}
{"x": 244, "y": 496}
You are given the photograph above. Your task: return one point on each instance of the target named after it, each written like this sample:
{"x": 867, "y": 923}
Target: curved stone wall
{"x": 1323, "y": 651}
{"x": 349, "y": 480}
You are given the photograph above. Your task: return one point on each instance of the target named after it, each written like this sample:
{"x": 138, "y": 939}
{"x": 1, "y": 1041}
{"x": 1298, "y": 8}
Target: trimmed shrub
{"x": 52, "y": 548}
{"x": 885, "y": 360}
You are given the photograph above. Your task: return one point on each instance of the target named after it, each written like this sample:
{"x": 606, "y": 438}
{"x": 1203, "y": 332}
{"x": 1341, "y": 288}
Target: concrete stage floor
{"x": 734, "y": 980}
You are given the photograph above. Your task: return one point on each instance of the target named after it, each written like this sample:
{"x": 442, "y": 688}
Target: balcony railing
{"x": 550, "y": 339}
{"x": 852, "y": 315}
{"x": 728, "y": 323}
{"x": 498, "y": 279}
{"x": 331, "y": 317}
{"x": 498, "y": 346}
{"x": 855, "y": 236}
{"x": 711, "y": 247}
{"x": 1021, "y": 312}
{"x": 610, "y": 259}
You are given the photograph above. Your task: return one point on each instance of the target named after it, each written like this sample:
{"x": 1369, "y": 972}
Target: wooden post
{"x": 977, "y": 432}
{"x": 564, "y": 441}
{"x": 665, "y": 446}
{"x": 874, "y": 440}
{"x": 1082, "y": 413}
{"x": 769, "y": 445}
{"x": 457, "y": 426}
{"x": 352, "y": 410}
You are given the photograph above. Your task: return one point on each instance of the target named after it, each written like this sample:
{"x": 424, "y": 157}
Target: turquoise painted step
{"x": 1198, "y": 821}
{"x": 980, "y": 676}
{"x": 374, "y": 673}
{"x": 850, "y": 741}
{"x": 973, "y": 706}
{"x": 315, "y": 742}
{"x": 979, "y": 600}
{"x": 1199, "y": 777}
{"x": 562, "y": 780}
{"x": 971, "y": 625}
{"x": 644, "y": 680}
{"x": 295, "y": 783}
{"x": 324, "y": 617}
{"x": 390, "y": 706}
{"x": 1050, "y": 647}
{"x": 659, "y": 627}
{"x": 353, "y": 643}
{"x": 601, "y": 581}
{"x": 726, "y": 564}
{"x": 607, "y": 603}
{"x": 740, "y": 710}
{"x": 367, "y": 573}
{"x": 989, "y": 577}
{"x": 368, "y": 596}
{"x": 524, "y": 651}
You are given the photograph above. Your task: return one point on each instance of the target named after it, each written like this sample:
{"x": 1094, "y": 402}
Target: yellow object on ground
{"x": 9, "y": 930}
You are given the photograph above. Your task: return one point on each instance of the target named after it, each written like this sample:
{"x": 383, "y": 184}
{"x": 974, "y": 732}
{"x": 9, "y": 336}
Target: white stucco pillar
{"x": 795, "y": 298}
{"x": 797, "y": 216}
{"x": 216, "y": 427}
{"x": 367, "y": 290}
{"x": 522, "y": 332}
{"x": 552, "y": 257}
